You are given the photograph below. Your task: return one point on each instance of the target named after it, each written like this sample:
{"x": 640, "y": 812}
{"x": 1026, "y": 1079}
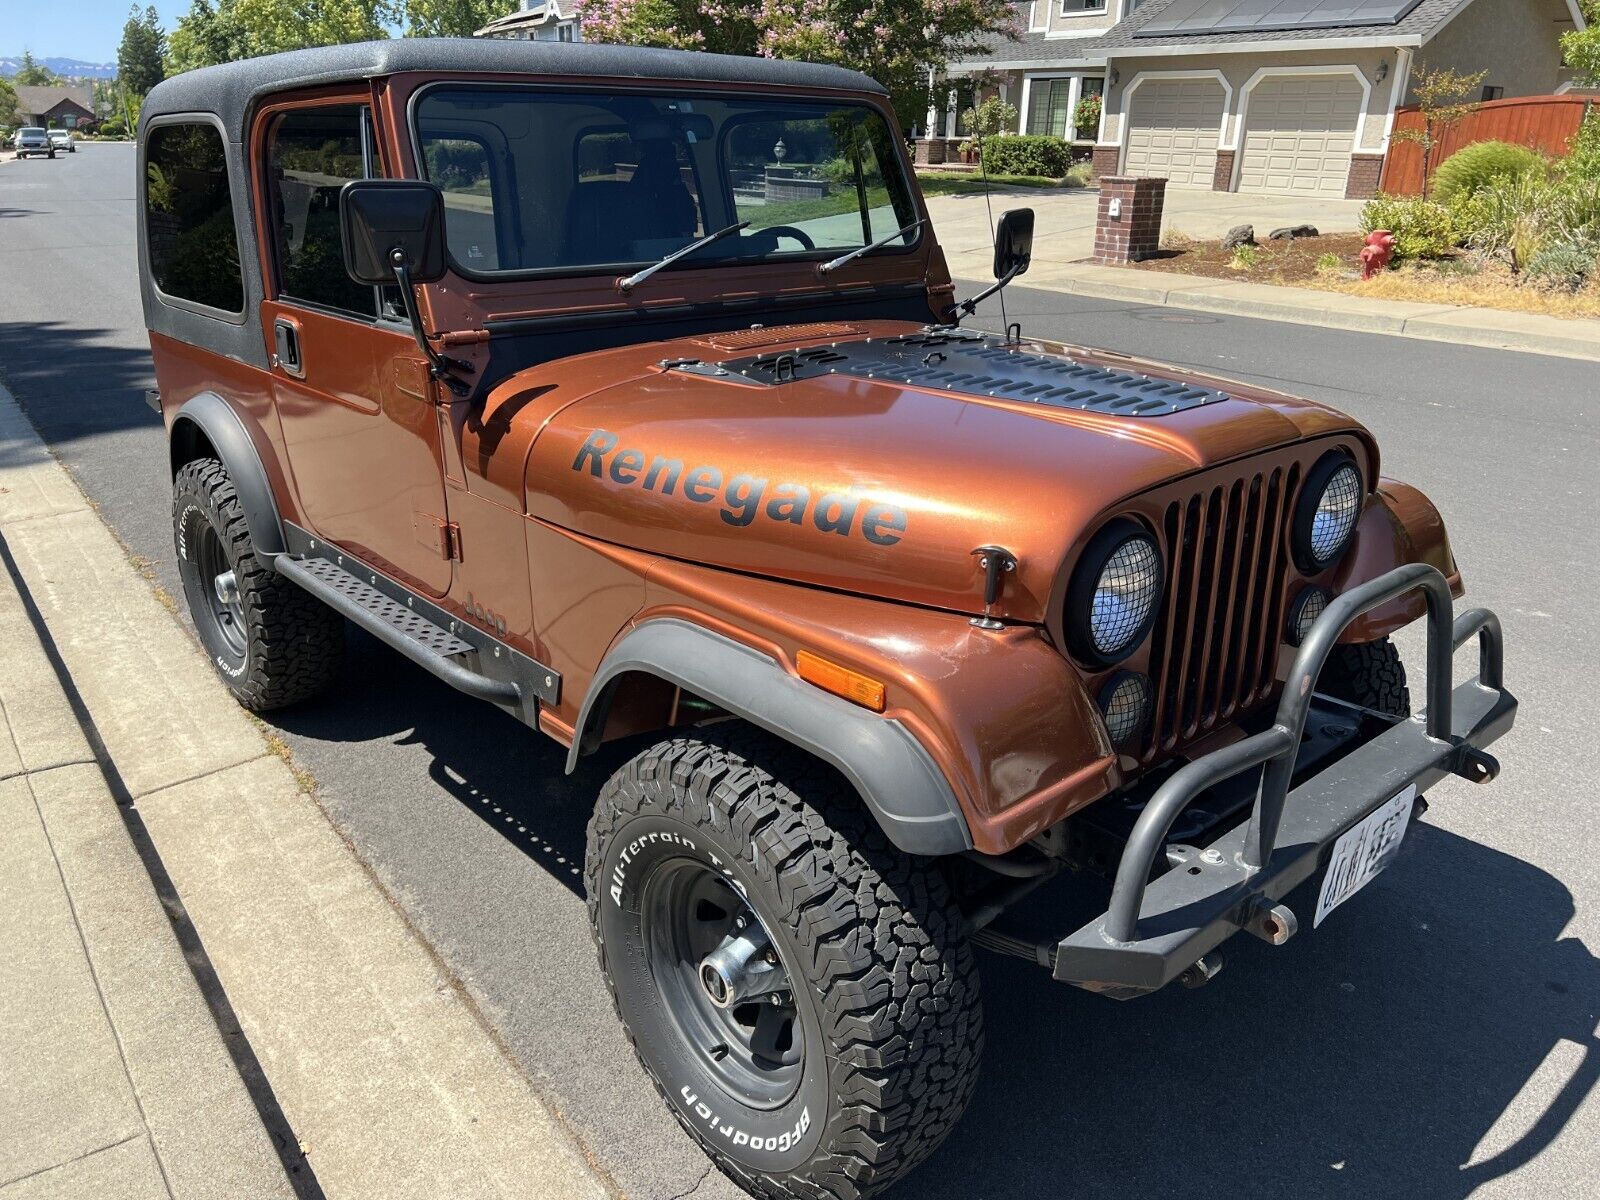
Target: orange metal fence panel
{"x": 1546, "y": 123}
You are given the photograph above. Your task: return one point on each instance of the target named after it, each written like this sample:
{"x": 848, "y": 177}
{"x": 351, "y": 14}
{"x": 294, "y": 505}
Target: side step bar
{"x": 430, "y": 646}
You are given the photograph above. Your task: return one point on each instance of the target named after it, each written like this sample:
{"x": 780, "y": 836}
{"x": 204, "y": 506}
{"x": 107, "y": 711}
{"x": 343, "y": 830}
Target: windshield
{"x": 31, "y": 131}
{"x": 539, "y": 180}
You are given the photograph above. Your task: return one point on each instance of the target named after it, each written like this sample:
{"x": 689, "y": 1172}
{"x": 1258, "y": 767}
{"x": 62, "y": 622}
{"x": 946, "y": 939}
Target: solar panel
{"x": 1262, "y": 16}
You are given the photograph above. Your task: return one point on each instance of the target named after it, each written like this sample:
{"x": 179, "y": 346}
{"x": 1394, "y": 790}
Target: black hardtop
{"x": 230, "y": 90}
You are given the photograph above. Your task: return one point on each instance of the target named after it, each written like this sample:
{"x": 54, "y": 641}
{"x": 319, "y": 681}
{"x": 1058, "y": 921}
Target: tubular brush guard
{"x": 1156, "y": 929}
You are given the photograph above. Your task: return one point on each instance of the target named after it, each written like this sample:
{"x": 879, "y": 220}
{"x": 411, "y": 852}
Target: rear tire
{"x": 273, "y": 643}
{"x": 872, "y": 1047}
{"x": 1369, "y": 674}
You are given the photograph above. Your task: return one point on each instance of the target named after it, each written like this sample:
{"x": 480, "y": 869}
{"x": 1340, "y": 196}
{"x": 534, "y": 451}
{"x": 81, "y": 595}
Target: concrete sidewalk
{"x": 114, "y": 1079}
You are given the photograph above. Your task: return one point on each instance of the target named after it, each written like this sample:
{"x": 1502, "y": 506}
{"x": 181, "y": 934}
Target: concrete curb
{"x": 1492, "y": 328}
{"x": 392, "y": 1084}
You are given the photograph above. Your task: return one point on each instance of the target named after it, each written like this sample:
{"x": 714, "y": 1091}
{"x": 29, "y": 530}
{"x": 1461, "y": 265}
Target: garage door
{"x": 1173, "y": 127}
{"x": 1299, "y": 134}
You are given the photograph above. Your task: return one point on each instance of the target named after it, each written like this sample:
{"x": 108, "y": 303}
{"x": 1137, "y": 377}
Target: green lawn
{"x": 949, "y": 183}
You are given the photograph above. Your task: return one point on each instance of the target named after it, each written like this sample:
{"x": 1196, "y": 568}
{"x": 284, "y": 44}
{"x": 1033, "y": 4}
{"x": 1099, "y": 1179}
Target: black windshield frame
{"x": 897, "y": 162}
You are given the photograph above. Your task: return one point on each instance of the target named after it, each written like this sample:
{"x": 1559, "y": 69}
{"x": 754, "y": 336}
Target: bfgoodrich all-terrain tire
{"x": 272, "y": 642}
{"x": 1369, "y": 674}
{"x": 800, "y": 992}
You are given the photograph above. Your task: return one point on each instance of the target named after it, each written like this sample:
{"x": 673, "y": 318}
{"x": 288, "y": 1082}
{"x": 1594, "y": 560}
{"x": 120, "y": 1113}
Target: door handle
{"x": 286, "y": 347}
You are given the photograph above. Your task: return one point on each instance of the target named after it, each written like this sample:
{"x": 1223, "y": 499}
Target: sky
{"x": 84, "y": 29}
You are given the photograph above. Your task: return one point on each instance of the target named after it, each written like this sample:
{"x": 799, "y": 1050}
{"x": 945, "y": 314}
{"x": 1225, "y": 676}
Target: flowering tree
{"x": 896, "y": 42}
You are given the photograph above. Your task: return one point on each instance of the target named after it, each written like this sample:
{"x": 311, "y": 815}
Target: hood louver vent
{"x": 976, "y": 364}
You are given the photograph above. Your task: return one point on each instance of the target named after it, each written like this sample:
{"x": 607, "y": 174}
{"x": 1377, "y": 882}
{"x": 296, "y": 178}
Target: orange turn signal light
{"x": 841, "y": 681}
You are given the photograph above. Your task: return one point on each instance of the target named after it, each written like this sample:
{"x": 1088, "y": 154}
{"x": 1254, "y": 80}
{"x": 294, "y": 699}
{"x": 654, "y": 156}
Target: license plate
{"x": 1363, "y": 851}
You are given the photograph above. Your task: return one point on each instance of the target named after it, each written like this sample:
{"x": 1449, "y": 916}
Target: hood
{"x": 870, "y": 460}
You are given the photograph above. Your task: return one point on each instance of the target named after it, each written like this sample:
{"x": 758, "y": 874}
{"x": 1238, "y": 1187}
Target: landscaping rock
{"x": 1239, "y": 235}
{"x": 1290, "y": 232}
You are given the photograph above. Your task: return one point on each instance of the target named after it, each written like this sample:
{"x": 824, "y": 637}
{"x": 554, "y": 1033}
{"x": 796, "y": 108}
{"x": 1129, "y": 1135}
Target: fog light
{"x": 1125, "y": 703}
{"x": 1310, "y": 604}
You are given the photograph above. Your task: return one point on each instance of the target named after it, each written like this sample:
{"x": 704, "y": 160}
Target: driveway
{"x": 1064, "y": 220}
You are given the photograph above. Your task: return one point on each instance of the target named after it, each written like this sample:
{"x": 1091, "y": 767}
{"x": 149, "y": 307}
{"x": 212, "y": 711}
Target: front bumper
{"x": 1156, "y": 929}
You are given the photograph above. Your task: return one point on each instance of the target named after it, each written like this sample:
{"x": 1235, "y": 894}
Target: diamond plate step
{"x": 407, "y": 622}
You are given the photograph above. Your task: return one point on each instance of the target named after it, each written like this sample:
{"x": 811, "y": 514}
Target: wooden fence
{"x": 1546, "y": 123}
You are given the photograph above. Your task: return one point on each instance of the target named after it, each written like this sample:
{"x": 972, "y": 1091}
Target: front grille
{"x": 1215, "y": 646}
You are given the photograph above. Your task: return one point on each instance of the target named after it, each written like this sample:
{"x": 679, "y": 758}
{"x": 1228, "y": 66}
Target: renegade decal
{"x": 742, "y": 495}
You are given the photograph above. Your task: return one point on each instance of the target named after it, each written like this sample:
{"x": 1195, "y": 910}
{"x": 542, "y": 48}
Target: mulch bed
{"x": 1279, "y": 262}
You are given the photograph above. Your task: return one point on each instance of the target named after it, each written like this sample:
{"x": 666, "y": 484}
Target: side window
{"x": 311, "y": 154}
{"x": 194, "y": 249}
{"x": 460, "y": 166}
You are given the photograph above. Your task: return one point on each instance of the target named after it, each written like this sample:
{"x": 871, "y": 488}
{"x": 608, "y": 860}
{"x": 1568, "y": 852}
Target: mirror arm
{"x": 442, "y": 368}
{"x": 967, "y": 307}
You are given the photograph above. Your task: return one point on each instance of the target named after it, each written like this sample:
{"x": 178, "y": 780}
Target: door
{"x": 356, "y": 406}
{"x": 1174, "y": 126}
{"x": 1300, "y": 131}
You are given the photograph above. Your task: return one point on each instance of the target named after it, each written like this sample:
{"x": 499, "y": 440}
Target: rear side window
{"x": 194, "y": 249}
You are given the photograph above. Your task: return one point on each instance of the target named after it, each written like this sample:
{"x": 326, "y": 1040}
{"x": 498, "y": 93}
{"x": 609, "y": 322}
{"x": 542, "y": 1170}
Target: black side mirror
{"x": 389, "y": 223}
{"x": 1013, "y": 243}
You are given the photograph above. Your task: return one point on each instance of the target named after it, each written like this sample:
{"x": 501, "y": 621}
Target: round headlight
{"x": 1115, "y": 591}
{"x": 1326, "y": 515}
{"x": 1125, "y": 704}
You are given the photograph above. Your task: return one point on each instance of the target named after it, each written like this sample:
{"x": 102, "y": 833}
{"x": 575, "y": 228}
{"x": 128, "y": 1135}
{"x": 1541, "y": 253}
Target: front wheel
{"x": 799, "y": 991}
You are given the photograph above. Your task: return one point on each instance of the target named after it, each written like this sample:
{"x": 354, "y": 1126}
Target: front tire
{"x": 273, "y": 643}
{"x": 841, "y": 1051}
{"x": 1369, "y": 674}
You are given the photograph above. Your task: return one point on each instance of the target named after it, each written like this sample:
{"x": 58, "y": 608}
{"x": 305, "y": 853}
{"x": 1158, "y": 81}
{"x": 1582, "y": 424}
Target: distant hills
{"x": 71, "y": 67}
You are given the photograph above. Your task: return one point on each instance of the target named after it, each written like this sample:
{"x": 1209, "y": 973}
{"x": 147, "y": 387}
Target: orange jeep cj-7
{"x": 627, "y": 391}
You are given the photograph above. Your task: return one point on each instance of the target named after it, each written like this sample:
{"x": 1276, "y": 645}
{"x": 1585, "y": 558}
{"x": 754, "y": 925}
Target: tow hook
{"x": 1274, "y": 924}
{"x": 1202, "y": 971}
{"x": 1474, "y": 765}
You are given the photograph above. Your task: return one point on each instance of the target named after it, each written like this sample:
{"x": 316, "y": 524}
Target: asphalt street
{"x": 1437, "y": 1039}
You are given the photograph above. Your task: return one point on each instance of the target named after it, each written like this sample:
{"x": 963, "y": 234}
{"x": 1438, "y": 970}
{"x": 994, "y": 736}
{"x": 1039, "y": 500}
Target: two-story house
{"x": 1293, "y": 96}
{"x": 537, "y": 21}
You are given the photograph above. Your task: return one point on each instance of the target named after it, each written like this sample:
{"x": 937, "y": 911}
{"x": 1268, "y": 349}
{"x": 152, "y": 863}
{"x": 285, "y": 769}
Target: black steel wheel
{"x": 272, "y": 642}
{"x": 799, "y": 991}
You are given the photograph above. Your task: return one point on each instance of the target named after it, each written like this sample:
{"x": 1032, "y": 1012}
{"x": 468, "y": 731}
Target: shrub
{"x": 1474, "y": 167}
{"x": 1421, "y": 228}
{"x": 1513, "y": 217}
{"x": 1245, "y": 257}
{"x": 1080, "y": 174}
{"x": 1567, "y": 266}
{"x": 1026, "y": 154}
{"x": 1583, "y": 160}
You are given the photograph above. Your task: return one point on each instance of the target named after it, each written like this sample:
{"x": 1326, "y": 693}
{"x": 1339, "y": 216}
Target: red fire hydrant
{"x": 1376, "y": 253}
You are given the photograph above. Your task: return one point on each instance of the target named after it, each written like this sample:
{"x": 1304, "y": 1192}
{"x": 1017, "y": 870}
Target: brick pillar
{"x": 1365, "y": 171}
{"x": 1135, "y": 232}
{"x": 1106, "y": 160}
{"x": 930, "y": 151}
{"x": 1222, "y": 178}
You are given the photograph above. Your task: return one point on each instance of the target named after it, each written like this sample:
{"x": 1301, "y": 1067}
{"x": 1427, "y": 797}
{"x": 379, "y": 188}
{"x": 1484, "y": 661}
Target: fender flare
{"x": 882, "y": 759}
{"x": 222, "y": 426}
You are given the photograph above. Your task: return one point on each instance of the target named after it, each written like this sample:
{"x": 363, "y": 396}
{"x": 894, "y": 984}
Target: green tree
{"x": 1580, "y": 49}
{"x": 144, "y": 46}
{"x": 897, "y": 42}
{"x": 1442, "y": 98}
{"x": 8, "y": 104}
{"x": 216, "y": 31}
{"x": 31, "y": 74}
{"x": 452, "y": 18}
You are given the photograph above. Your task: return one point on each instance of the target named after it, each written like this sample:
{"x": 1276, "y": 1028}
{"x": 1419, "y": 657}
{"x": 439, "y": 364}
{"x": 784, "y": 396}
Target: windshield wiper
{"x": 628, "y": 282}
{"x": 836, "y": 263}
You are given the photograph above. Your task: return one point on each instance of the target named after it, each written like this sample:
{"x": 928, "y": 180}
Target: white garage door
{"x": 1299, "y": 134}
{"x": 1173, "y": 127}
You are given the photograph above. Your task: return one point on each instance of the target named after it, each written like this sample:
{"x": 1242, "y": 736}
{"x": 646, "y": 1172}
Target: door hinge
{"x": 441, "y": 536}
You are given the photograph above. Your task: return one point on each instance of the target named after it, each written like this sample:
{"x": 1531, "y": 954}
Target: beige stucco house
{"x": 1292, "y": 96}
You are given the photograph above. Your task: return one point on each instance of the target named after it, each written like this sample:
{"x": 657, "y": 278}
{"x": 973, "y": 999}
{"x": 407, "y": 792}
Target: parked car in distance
{"x": 62, "y": 140}
{"x": 32, "y": 140}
